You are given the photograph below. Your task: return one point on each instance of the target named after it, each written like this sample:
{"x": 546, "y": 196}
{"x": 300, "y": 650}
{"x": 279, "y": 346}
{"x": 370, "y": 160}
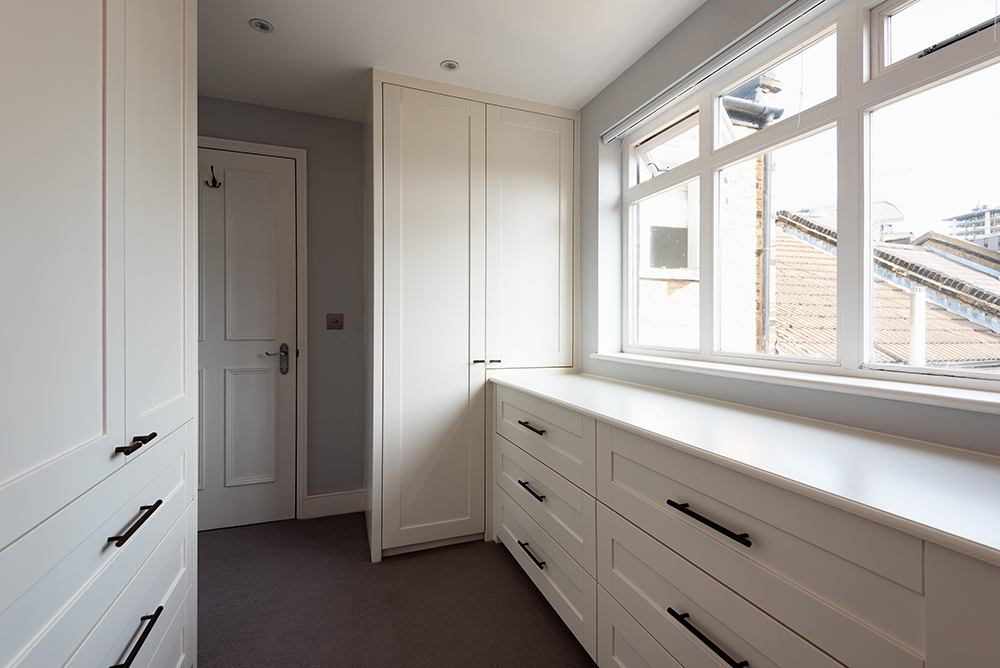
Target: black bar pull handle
{"x": 742, "y": 538}
{"x": 540, "y": 564}
{"x": 137, "y": 442}
{"x": 526, "y": 425}
{"x": 683, "y": 619}
{"x": 145, "y": 634}
{"x": 479, "y": 361}
{"x": 531, "y": 491}
{"x": 120, "y": 540}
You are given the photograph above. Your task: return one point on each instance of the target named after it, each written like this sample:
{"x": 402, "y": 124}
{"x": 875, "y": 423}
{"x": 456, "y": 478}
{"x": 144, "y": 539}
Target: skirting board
{"x": 337, "y": 503}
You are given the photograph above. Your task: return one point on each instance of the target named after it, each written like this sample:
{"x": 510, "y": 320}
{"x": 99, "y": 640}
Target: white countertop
{"x": 946, "y": 496}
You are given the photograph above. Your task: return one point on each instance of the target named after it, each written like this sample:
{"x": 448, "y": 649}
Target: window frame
{"x": 860, "y": 91}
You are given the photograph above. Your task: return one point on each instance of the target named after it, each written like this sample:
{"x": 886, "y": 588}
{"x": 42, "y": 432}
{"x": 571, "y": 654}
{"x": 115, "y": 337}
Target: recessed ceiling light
{"x": 260, "y": 25}
{"x": 449, "y": 65}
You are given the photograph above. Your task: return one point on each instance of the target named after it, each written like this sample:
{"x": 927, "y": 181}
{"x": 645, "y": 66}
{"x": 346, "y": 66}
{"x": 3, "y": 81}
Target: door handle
{"x": 282, "y": 357}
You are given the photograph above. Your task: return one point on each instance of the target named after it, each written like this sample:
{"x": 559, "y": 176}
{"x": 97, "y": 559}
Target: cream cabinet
{"x": 721, "y": 539}
{"x": 98, "y": 438}
{"x": 471, "y": 237}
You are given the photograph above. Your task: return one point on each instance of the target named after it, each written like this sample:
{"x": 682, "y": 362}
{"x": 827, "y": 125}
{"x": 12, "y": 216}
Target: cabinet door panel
{"x": 60, "y": 264}
{"x": 434, "y": 411}
{"x": 530, "y": 238}
{"x": 154, "y": 201}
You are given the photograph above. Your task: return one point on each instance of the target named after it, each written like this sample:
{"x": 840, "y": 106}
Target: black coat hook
{"x": 215, "y": 182}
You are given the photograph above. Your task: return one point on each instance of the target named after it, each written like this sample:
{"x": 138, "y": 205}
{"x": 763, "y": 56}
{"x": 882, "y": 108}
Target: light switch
{"x": 334, "y": 320}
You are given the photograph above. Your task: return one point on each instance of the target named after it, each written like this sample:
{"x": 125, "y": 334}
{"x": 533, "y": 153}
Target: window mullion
{"x": 708, "y": 325}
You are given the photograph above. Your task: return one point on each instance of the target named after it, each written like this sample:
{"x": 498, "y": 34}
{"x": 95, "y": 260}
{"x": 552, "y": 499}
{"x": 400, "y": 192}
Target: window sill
{"x": 980, "y": 401}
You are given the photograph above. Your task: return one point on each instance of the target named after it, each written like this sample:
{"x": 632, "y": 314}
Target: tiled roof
{"x": 806, "y": 311}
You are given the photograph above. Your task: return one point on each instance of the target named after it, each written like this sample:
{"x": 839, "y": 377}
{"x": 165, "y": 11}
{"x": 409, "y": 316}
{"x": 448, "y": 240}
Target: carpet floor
{"x": 304, "y": 593}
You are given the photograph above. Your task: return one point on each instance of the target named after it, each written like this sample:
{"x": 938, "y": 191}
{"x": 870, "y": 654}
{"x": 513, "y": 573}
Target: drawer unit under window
{"x": 854, "y": 588}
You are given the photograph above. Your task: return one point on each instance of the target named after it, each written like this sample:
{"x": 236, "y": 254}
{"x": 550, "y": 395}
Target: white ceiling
{"x": 318, "y": 58}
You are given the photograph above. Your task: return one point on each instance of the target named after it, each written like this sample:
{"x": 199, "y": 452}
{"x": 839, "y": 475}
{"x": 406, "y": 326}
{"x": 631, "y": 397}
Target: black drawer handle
{"x": 531, "y": 491}
{"x": 701, "y": 636}
{"x": 540, "y": 564}
{"x": 523, "y": 423}
{"x": 145, "y": 634}
{"x": 135, "y": 527}
{"x": 137, "y": 442}
{"x": 742, "y": 538}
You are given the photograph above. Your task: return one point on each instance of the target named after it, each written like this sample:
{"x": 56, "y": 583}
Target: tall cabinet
{"x": 471, "y": 216}
{"x": 97, "y": 416}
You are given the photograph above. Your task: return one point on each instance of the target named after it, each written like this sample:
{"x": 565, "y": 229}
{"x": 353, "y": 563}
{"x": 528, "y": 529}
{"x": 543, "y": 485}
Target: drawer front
{"x": 790, "y": 538}
{"x": 622, "y": 642}
{"x": 566, "y": 512}
{"x": 567, "y": 440}
{"x": 176, "y": 650}
{"x": 676, "y": 602}
{"x": 566, "y": 586}
{"x": 48, "y": 620}
{"x": 161, "y": 582}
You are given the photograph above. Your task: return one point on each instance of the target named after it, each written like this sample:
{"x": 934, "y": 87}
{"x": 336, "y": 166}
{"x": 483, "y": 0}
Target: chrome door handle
{"x": 283, "y": 355}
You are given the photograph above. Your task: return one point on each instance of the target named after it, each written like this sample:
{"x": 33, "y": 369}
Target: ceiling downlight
{"x": 262, "y": 25}
{"x": 449, "y": 65}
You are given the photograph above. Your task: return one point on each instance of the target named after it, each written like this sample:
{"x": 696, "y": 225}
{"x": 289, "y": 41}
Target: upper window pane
{"x": 936, "y": 227}
{"x": 671, "y": 147}
{"x": 801, "y": 81}
{"x": 929, "y": 22}
{"x": 778, "y": 251}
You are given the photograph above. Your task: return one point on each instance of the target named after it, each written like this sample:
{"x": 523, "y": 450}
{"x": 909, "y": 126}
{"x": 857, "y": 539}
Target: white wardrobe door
{"x": 60, "y": 400}
{"x": 154, "y": 176}
{"x": 434, "y": 311}
{"x": 530, "y": 238}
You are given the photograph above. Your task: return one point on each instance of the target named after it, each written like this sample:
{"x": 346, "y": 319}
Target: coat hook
{"x": 215, "y": 182}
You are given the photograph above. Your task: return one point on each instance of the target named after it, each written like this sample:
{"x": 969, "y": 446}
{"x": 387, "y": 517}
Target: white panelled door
{"x": 434, "y": 357}
{"x": 247, "y": 339}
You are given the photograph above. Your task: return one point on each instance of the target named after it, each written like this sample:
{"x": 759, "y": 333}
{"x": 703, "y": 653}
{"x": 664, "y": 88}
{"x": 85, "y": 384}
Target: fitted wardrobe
{"x": 470, "y": 246}
{"x": 99, "y": 438}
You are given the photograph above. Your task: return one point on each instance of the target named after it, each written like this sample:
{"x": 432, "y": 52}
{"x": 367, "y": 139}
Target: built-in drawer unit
{"x": 566, "y": 512}
{"x": 621, "y": 641}
{"x": 569, "y": 589}
{"x": 853, "y": 587}
{"x": 561, "y": 438}
{"x": 140, "y": 617}
{"x": 699, "y": 621}
{"x": 78, "y": 562}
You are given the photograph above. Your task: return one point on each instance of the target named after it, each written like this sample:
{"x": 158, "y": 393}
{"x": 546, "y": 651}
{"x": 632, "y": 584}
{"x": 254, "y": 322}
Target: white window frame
{"x": 860, "y": 92}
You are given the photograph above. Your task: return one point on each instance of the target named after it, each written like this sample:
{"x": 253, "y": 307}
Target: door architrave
{"x": 301, "y": 301}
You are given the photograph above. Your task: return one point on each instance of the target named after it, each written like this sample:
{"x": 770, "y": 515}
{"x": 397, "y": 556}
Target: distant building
{"x": 980, "y": 226}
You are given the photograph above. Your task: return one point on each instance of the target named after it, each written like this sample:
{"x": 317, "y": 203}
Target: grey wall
{"x": 711, "y": 28}
{"x": 335, "y": 191}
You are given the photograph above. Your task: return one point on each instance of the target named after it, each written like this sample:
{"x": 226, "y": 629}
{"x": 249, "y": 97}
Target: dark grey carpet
{"x": 305, "y": 593}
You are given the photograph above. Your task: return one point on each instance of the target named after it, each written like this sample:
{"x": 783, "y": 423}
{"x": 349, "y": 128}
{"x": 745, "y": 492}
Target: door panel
{"x": 61, "y": 406}
{"x": 248, "y": 311}
{"x": 434, "y": 412}
{"x": 530, "y": 227}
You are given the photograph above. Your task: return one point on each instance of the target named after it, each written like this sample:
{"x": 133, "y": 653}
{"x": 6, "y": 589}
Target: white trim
{"x": 381, "y": 76}
{"x": 979, "y": 401}
{"x": 335, "y": 503}
{"x": 301, "y": 295}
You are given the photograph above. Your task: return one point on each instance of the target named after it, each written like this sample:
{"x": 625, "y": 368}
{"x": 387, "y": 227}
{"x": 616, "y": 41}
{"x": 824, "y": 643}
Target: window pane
{"x": 928, "y": 22}
{"x": 666, "y": 280}
{"x": 777, "y": 251}
{"x": 669, "y": 148}
{"x": 936, "y": 227}
{"x": 800, "y": 82}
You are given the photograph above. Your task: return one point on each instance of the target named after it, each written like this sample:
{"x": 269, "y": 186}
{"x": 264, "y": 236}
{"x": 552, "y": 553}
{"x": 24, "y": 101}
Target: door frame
{"x": 301, "y": 306}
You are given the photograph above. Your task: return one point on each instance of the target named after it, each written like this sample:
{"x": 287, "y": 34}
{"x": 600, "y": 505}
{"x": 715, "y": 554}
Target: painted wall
{"x": 335, "y": 190}
{"x": 707, "y": 31}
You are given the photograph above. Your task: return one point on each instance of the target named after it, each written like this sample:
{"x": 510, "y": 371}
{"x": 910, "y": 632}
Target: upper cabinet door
{"x": 155, "y": 194}
{"x": 530, "y": 219}
{"x": 60, "y": 264}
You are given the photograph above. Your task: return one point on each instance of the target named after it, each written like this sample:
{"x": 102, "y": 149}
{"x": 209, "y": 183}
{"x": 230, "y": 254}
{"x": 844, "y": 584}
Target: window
{"x": 844, "y": 220}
